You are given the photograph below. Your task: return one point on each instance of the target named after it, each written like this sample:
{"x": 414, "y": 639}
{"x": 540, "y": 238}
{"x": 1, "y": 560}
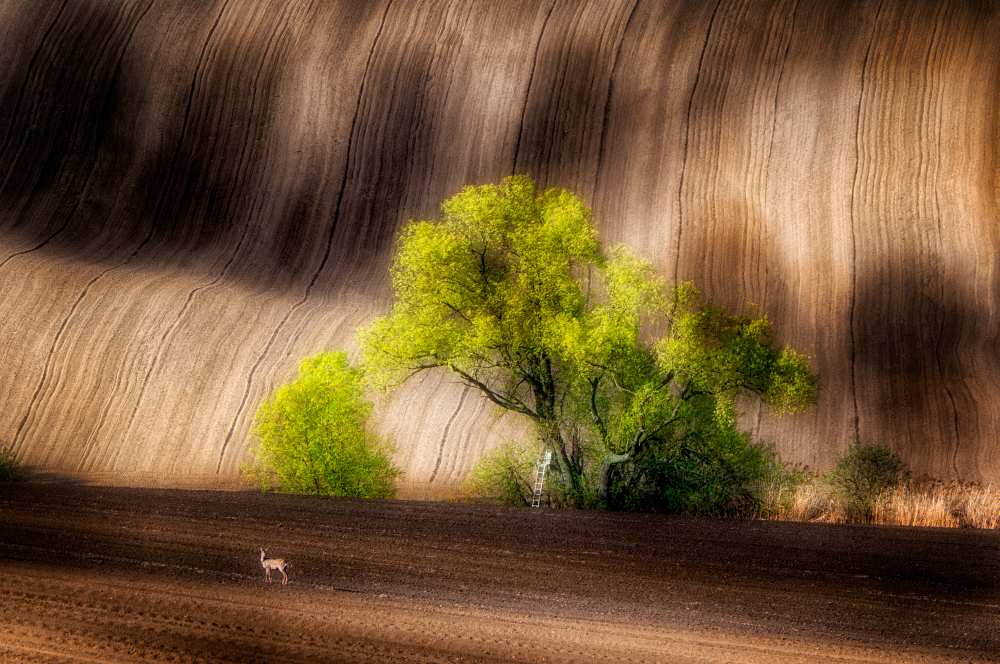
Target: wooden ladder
{"x": 536, "y": 496}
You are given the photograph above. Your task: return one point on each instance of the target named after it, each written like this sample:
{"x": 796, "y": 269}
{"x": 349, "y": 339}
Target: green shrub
{"x": 505, "y": 475}
{"x": 861, "y": 475}
{"x": 10, "y": 469}
{"x": 721, "y": 474}
{"x": 725, "y": 474}
{"x": 314, "y": 439}
{"x": 775, "y": 490}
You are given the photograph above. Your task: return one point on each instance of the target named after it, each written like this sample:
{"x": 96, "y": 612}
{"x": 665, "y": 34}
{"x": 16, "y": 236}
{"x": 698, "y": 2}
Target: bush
{"x": 10, "y": 469}
{"x": 778, "y": 491}
{"x": 722, "y": 474}
{"x": 505, "y": 475}
{"x": 861, "y": 475}
{"x": 314, "y": 439}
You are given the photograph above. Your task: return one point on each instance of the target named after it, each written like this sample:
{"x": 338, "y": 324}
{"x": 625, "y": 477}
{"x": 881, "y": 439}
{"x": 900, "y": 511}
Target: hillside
{"x": 193, "y": 196}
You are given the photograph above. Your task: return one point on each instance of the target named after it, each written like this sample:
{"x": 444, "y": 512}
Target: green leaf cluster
{"x": 492, "y": 284}
{"x": 505, "y": 474}
{"x": 861, "y": 475}
{"x": 313, "y": 435}
{"x": 511, "y": 291}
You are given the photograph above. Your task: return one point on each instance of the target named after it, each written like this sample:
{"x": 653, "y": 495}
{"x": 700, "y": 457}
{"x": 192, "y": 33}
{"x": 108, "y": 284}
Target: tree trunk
{"x": 609, "y": 461}
{"x": 571, "y": 474}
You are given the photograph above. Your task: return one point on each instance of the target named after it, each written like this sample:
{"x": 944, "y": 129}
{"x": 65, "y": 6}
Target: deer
{"x": 273, "y": 563}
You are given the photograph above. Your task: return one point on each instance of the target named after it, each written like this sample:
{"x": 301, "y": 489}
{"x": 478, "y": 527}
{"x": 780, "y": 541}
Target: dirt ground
{"x": 111, "y": 574}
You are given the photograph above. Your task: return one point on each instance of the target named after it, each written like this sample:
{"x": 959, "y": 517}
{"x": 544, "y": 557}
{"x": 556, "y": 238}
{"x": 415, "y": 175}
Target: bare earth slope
{"x": 193, "y": 196}
{"x": 107, "y": 574}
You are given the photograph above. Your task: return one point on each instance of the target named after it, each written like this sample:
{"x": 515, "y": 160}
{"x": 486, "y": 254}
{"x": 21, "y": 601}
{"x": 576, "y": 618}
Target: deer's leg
{"x": 284, "y": 577}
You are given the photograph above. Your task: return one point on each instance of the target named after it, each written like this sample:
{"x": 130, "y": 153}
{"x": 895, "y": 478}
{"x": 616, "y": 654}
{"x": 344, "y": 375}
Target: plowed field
{"x": 110, "y": 574}
{"x": 194, "y": 196}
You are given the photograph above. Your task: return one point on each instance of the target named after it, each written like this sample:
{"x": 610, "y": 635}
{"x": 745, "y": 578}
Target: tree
{"x": 313, "y": 434}
{"x": 510, "y": 291}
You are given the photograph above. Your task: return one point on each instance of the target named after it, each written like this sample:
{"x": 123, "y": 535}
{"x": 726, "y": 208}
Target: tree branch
{"x": 594, "y": 384}
{"x": 456, "y": 310}
{"x": 504, "y": 402}
{"x": 417, "y": 369}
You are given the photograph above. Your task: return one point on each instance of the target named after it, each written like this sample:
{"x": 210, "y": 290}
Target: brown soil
{"x": 112, "y": 574}
{"x": 196, "y": 195}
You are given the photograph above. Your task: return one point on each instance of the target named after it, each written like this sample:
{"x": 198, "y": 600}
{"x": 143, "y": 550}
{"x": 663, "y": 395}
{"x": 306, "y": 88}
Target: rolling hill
{"x": 193, "y": 196}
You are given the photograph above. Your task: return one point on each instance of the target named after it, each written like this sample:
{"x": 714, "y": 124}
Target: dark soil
{"x": 105, "y": 574}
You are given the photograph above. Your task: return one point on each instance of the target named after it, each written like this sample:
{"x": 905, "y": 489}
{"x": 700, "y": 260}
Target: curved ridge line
{"x": 326, "y": 255}
{"x": 774, "y": 122}
{"x": 51, "y": 160}
{"x": 932, "y": 47}
{"x": 24, "y": 86}
{"x": 64, "y": 226}
{"x": 463, "y": 449}
{"x": 527, "y": 90}
{"x": 93, "y": 162}
{"x": 687, "y": 138}
{"x": 854, "y": 242}
{"x": 954, "y": 412}
{"x": 88, "y": 74}
{"x": 48, "y": 360}
{"x": 373, "y": 236}
{"x": 444, "y": 434}
{"x": 767, "y": 164}
{"x": 183, "y": 132}
{"x": 175, "y": 325}
{"x": 451, "y": 74}
{"x": 615, "y": 64}
{"x": 951, "y": 398}
{"x": 88, "y": 444}
{"x": 65, "y": 322}
{"x": 376, "y": 236}
{"x": 171, "y": 170}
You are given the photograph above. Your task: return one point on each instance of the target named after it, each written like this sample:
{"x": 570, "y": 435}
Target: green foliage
{"x": 510, "y": 290}
{"x": 496, "y": 276}
{"x": 721, "y": 354}
{"x": 721, "y": 473}
{"x": 505, "y": 475}
{"x": 313, "y": 437}
{"x": 861, "y": 474}
{"x": 776, "y": 489}
{"x": 10, "y": 469}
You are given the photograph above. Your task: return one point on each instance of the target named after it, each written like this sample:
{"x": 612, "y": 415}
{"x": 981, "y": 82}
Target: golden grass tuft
{"x": 907, "y": 505}
{"x": 922, "y": 504}
{"x": 981, "y": 508}
{"x": 810, "y": 502}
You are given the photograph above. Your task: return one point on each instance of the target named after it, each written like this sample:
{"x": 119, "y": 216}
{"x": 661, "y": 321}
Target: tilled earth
{"x": 112, "y": 574}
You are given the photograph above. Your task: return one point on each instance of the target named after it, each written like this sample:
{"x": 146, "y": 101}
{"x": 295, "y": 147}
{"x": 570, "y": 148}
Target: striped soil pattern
{"x": 194, "y": 196}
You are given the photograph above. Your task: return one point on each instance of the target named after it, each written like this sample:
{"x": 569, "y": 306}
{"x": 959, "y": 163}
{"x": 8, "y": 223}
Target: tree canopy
{"x": 313, "y": 434}
{"x": 511, "y": 291}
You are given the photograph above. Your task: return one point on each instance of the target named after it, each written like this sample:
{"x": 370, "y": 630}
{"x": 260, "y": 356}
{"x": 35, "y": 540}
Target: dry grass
{"x": 801, "y": 502}
{"x": 981, "y": 508}
{"x": 927, "y": 504}
{"x": 909, "y": 506}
